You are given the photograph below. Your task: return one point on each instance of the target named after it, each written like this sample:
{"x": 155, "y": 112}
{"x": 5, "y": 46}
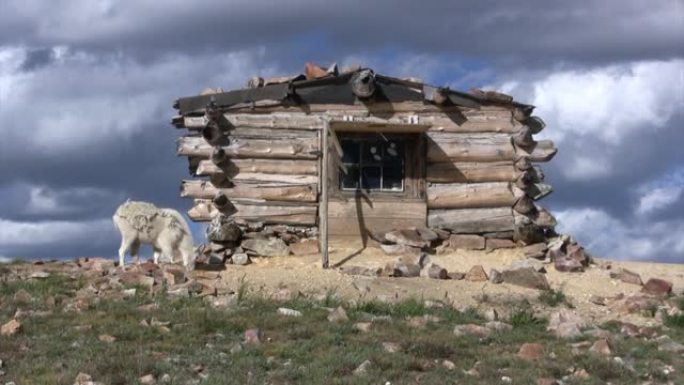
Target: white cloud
{"x": 50, "y": 233}
{"x": 658, "y": 199}
{"x": 608, "y": 103}
{"x": 44, "y": 200}
{"x": 79, "y": 101}
{"x": 606, "y": 236}
{"x": 591, "y": 113}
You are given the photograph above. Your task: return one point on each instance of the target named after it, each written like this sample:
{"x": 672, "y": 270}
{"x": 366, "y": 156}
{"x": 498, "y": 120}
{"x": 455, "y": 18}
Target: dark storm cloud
{"x": 531, "y": 31}
{"x": 36, "y": 58}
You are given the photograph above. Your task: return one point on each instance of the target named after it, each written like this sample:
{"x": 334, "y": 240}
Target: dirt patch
{"x": 268, "y": 276}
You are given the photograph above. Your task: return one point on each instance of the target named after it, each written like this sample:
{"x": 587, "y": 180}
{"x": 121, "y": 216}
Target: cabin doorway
{"x": 376, "y": 185}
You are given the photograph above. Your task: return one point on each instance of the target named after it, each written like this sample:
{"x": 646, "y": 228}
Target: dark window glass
{"x": 370, "y": 177}
{"x": 372, "y": 164}
{"x": 351, "y": 151}
{"x": 350, "y": 180}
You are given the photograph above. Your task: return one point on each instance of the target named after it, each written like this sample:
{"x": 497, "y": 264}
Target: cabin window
{"x": 373, "y": 163}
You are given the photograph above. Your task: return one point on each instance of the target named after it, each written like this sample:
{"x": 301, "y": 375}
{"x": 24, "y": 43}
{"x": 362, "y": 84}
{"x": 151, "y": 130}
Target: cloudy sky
{"x": 86, "y": 89}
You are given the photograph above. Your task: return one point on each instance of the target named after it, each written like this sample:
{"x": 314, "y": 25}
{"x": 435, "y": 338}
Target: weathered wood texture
{"x": 272, "y": 213}
{"x": 469, "y": 148}
{"x": 472, "y": 221}
{"x": 277, "y": 192}
{"x": 304, "y": 148}
{"x": 233, "y": 167}
{"x": 276, "y": 120}
{"x": 466, "y": 195}
{"x": 440, "y": 119}
{"x": 471, "y": 172}
{"x": 541, "y": 151}
{"x": 356, "y": 216}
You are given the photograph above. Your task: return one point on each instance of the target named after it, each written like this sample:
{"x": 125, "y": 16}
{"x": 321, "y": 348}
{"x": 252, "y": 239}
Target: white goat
{"x": 164, "y": 229}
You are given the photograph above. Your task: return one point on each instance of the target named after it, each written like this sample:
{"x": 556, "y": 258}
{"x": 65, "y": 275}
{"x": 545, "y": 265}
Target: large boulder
{"x": 271, "y": 247}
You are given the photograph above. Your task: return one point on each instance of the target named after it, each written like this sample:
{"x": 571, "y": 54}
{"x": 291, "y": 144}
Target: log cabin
{"x": 354, "y": 154}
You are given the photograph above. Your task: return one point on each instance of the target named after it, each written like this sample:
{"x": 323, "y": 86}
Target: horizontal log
{"x": 447, "y": 119}
{"x": 471, "y": 148}
{"x": 299, "y": 120}
{"x": 471, "y": 172}
{"x": 234, "y": 167}
{"x": 305, "y": 148}
{"x": 206, "y": 190}
{"x": 222, "y": 179}
{"x": 205, "y": 210}
{"x": 376, "y": 107}
{"x": 472, "y": 221}
{"x": 541, "y": 151}
{"x": 470, "y": 195}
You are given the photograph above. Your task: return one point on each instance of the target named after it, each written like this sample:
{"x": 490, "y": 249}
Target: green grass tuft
{"x": 553, "y": 297}
{"x": 525, "y": 318}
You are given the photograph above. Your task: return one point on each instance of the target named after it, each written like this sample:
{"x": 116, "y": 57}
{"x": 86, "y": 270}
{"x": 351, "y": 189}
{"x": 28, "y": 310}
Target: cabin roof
{"x": 320, "y": 86}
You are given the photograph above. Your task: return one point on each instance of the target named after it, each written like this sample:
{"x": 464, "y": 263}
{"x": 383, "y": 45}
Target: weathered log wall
{"x": 263, "y": 162}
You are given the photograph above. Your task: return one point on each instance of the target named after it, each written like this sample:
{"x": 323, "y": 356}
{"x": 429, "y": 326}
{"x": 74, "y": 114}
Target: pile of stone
{"x": 235, "y": 242}
{"x": 566, "y": 254}
{"x": 413, "y": 241}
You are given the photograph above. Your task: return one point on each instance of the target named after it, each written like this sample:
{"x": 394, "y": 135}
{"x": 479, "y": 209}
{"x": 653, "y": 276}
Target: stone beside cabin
{"x": 354, "y": 154}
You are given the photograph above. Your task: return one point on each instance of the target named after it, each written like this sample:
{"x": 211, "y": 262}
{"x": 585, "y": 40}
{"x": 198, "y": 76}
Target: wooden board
{"x": 470, "y": 195}
{"x": 472, "y": 221}
{"x": 375, "y": 216}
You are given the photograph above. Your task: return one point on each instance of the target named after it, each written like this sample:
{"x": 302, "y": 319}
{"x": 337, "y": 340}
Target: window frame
{"x": 413, "y": 181}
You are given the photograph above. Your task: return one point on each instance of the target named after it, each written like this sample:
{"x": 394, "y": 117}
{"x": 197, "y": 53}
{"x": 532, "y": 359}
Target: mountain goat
{"x": 164, "y": 229}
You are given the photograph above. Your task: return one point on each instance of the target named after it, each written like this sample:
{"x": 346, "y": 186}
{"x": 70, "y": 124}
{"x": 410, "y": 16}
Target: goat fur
{"x": 165, "y": 229}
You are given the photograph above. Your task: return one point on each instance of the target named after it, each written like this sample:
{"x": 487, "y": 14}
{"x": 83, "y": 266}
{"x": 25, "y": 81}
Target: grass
{"x": 53, "y": 348}
{"x": 553, "y": 298}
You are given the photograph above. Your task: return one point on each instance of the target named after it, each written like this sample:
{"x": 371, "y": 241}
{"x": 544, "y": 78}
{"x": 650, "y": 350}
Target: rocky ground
{"x": 475, "y": 316}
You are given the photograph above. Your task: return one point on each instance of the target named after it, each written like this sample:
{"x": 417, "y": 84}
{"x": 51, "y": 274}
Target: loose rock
{"x": 472, "y": 329}
{"x": 253, "y": 336}
{"x": 601, "y": 347}
{"x": 10, "y": 328}
{"x": 476, "y": 274}
{"x": 657, "y": 286}
{"x": 406, "y": 237}
{"x": 305, "y": 247}
{"x": 272, "y": 247}
{"x": 363, "y": 368}
{"x": 289, "y": 312}
{"x": 526, "y": 277}
{"x": 628, "y": 276}
{"x": 531, "y": 351}
{"x": 338, "y": 315}
{"x": 465, "y": 241}
{"x": 495, "y": 276}
{"x": 240, "y": 259}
